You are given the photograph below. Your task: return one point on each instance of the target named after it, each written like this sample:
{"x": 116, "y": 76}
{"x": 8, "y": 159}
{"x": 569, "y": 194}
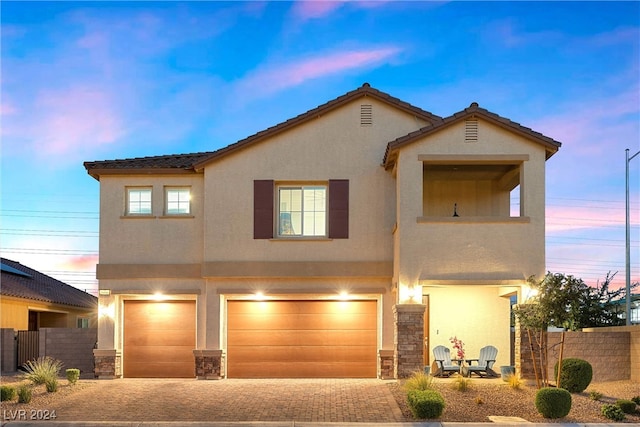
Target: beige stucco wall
{"x": 14, "y": 313}
{"x": 155, "y": 239}
{"x": 503, "y": 250}
{"x": 475, "y": 314}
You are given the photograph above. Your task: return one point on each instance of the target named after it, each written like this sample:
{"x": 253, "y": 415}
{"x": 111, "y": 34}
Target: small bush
{"x": 576, "y": 375}
{"x": 636, "y": 400}
{"x": 479, "y": 400}
{"x": 425, "y": 403}
{"x": 418, "y": 381}
{"x": 24, "y": 393}
{"x": 627, "y": 406}
{"x": 42, "y": 369}
{"x": 52, "y": 385}
{"x": 72, "y": 375}
{"x": 553, "y": 402}
{"x": 613, "y": 412}
{"x": 515, "y": 382}
{"x": 461, "y": 383}
{"x": 595, "y": 395}
{"x": 7, "y": 392}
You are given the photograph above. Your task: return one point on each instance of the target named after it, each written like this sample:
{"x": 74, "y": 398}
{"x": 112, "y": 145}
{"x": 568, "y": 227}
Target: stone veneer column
{"x": 386, "y": 358}
{"x": 209, "y": 364}
{"x": 106, "y": 364}
{"x": 408, "y": 338}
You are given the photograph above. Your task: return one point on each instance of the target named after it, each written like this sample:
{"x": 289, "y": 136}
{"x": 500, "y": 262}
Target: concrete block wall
{"x": 74, "y": 347}
{"x": 607, "y": 352}
{"x": 634, "y": 346}
{"x": 8, "y": 354}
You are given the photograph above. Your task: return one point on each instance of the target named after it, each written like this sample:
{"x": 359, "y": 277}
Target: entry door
{"x": 426, "y": 353}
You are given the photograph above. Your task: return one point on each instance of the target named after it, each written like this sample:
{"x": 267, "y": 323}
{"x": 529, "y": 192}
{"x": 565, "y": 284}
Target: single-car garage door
{"x": 159, "y": 338}
{"x": 301, "y": 339}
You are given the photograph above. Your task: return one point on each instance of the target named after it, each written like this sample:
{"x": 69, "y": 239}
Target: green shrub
{"x": 613, "y": 412}
{"x": 52, "y": 385}
{"x": 425, "y": 403}
{"x": 627, "y": 406}
{"x": 72, "y": 375}
{"x": 576, "y": 375}
{"x": 24, "y": 393}
{"x": 7, "y": 392}
{"x": 553, "y": 402}
{"x": 595, "y": 395}
{"x": 636, "y": 400}
{"x": 42, "y": 369}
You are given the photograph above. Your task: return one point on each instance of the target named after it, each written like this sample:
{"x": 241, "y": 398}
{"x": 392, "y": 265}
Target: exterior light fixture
{"x": 259, "y": 296}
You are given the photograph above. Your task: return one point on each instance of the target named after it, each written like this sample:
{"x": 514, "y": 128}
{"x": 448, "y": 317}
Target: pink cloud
{"x": 278, "y": 77}
{"x": 80, "y": 263}
{"x": 74, "y": 120}
{"x": 312, "y": 9}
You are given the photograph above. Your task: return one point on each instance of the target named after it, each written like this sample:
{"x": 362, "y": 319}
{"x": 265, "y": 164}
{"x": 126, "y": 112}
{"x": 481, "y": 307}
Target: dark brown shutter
{"x": 339, "y": 208}
{"x": 263, "y": 209}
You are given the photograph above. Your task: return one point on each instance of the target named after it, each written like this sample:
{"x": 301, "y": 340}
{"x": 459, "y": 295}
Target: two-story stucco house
{"x": 345, "y": 242}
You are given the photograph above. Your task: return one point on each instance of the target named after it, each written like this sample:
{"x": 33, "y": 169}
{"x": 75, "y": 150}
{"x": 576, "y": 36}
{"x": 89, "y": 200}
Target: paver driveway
{"x": 329, "y": 400}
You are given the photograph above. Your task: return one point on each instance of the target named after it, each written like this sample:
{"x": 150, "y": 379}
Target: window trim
{"x": 128, "y": 191}
{"x": 169, "y": 188}
{"x": 302, "y": 186}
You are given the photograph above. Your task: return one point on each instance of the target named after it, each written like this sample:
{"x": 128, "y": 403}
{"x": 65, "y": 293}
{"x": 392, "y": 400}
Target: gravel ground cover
{"x": 487, "y": 398}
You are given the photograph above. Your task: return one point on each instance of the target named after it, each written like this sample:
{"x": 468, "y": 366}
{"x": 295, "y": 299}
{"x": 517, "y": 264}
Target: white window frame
{"x": 139, "y": 202}
{"x": 286, "y": 226}
{"x": 177, "y": 207}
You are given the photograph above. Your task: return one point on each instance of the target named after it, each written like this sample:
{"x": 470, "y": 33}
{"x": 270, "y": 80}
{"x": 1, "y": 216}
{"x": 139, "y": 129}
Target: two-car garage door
{"x": 301, "y": 339}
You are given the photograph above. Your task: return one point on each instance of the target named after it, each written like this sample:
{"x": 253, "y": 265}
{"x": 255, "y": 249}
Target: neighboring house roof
{"x": 474, "y": 110}
{"x": 196, "y": 161}
{"x": 23, "y": 282}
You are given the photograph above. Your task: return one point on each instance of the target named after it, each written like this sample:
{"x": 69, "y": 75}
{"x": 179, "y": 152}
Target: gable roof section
{"x": 474, "y": 110}
{"x": 168, "y": 164}
{"x": 23, "y": 282}
{"x": 189, "y": 163}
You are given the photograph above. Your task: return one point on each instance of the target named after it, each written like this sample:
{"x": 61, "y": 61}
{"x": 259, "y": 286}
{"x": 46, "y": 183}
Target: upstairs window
{"x": 139, "y": 201}
{"x": 290, "y": 210}
{"x": 178, "y": 201}
{"x": 302, "y": 211}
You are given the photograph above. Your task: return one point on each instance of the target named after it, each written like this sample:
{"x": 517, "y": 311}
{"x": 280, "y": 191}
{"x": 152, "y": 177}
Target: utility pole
{"x": 628, "y": 240}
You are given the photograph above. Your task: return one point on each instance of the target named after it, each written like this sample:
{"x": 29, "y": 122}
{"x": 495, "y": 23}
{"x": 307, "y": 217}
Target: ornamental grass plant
{"x": 42, "y": 370}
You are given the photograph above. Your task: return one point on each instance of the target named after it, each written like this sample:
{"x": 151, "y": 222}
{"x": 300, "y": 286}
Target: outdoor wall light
{"x": 158, "y": 296}
{"x": 344, "y": 295}
{"x": 259, "y": 296}
{"x": 107, "y": 311}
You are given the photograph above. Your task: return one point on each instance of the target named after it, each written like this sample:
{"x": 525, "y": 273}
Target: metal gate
{"x": 28, "y": 346}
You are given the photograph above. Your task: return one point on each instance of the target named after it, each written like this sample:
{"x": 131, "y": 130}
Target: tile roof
{"x": 21, "y": 281}
{"x": 474, "y": 110}
{"x": 196, "y": 161}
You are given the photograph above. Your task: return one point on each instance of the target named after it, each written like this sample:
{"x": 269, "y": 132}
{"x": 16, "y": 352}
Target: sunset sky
{"x": 87, "y": 81}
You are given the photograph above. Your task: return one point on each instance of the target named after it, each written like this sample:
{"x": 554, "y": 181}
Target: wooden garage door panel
{"x": 307, "y": 354}
{"x": 160, "y": 370}
{"x": 302, "y": 370}
{"x": 160, "y": 353}
{"x": 281, "y": 338}
{"x": 159, "y": 338}
{"x": 319, "y": 321}
{"x": 143, "y": 337}
{"x": 304, "y": 307}
{"x": 324, "y": 339}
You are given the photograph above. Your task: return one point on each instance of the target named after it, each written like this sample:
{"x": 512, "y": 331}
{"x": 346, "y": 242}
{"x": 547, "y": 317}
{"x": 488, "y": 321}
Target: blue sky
{"x": 104, "y": 80}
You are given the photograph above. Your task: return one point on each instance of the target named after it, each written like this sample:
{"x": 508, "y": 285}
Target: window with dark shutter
{"x": 339, "y": 209}
{"x": 263, "y": 209}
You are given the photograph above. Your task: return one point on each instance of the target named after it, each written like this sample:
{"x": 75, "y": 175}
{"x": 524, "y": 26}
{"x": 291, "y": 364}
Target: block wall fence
{"x": 612, "y": 352}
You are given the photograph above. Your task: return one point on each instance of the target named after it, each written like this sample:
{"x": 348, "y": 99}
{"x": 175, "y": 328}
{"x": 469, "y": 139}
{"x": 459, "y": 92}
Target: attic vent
{"x": 366, "y": 115}
{"x": 471, "y": 131}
